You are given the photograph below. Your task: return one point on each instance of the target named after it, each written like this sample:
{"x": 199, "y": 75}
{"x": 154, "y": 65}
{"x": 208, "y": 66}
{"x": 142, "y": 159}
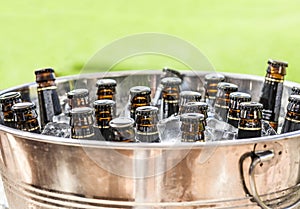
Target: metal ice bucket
{"x": 48, "y": 172}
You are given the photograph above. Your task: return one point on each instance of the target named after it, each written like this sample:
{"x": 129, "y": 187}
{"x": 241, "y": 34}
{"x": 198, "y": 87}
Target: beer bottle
{"x": 122, "y": 129}
{"x": 210, "y": 85}
{"x": 82, "y": 123}
{"x": 250, "y": 124}
{"x": 139, "y": 96}
{"x": 295, "y": 90}
{"x": 292, "y": 118}
{"x": 146, "y": 124}
{"x": 170, "y": 96}
{"x": 106, "y": 89}
{"x": 78, "y": 98}
{"x": 104, "y": 113}
{"x": 192, "y": 127}
{"x": 49, "y": 103}
{"x": 223, "y": 100}
{"x": 7, "y": 100}
{"x": 196, "y": 107}
{"x": 236, "y": 98}
{"x": 272, "y": 91}
{"x": 25, "y": 117}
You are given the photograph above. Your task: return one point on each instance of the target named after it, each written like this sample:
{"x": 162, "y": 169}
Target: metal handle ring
{"x": 257, "y": 159}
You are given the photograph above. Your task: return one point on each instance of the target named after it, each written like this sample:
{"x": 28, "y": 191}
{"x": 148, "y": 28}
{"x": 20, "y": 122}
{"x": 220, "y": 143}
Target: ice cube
{"x": 169, "y": 129}
{"x": 57, "y": 129}
{"x": 267, "y": 129}
{"x": 62, "y": 118}
{"x": 221, "y": 130}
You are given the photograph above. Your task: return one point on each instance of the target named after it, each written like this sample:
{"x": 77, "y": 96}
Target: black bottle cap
{"x": 107, "y": 82}
{"x": 296, "y": 90}
{"x": 121, "y": 122}
{"x": 171, "y": 81}
{"x": 276, "y": 63}
{"x": 78, "y": 93}
{"x": 103, "y": 103}
{"x": 279, "y": 65}
{"x": 171, "y": 73}
{"x": 214, "y": 77}
{"x": 23, "y": 106}
{"x": 44, "y": 74}
{"x": 227, "y": 86}
{"x": 140, "y": 90}
{"x": 9, "y": 96}
{"x": 251, "y": 106}
{"x": 192, "y": 117}
{"x": 240, "y": 96}
{"x": 294, "y": 99}
{"x": 190, "y": 95}
{"x": 146, "y": 110}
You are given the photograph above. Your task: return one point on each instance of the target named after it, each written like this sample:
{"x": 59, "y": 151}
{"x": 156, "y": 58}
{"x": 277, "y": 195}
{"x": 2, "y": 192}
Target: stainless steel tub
{"x": 48, "y": 172}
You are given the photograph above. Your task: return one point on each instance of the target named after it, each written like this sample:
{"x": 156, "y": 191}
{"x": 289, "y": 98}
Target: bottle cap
{"x": 140, "y": 90}
{"x": 121, "y": 122}
{"x": 296, "y": 90}
{"x": 280, "y": 66}
{"x": 81, "y": 111}
{"x": 240, "y": 96}
{"x": 227, "y": 86}
{"x": 192, "y": 117}
{"x": 251, "y": 106}
{"x": 191, "y": 95}
{"x": 198, "y": 105}
{"x": 146, "y": 110}
{"x": 106, "y": 83}
{"x": 78, "y": 93}
{"x": 171, "y": 81}
{"x": 172, "y": 73}
{"x": 214, "y": 77}
{"x": 294, "y": 98}
{"x": 23, "y": 106}
{"x": 9, "y": 96}
{"x": 44, "y": 74}
{"x": 102, "y": 103}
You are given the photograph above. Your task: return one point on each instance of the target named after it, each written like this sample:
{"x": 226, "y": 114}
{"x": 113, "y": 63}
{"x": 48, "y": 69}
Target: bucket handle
{"x": 258, "y": 158}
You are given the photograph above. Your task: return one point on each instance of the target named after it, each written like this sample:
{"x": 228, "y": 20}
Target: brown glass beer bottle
{"x": 192, "y": 127}
{"x": 7, "y": 100}
{"x": 106, "y": 89}
{"x": 210, "y": 85}
{"x": 122, "y": 129}
{"x": 139, "y": 96}
{"x": 292, "y": 118}
{"x": 272, "y": 91}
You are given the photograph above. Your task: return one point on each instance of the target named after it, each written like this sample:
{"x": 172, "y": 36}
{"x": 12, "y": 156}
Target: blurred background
{"x": 236, "y": 36}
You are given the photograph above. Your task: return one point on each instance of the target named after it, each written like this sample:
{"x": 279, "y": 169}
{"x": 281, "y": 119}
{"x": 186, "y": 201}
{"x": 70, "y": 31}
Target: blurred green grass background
{"x": 236, "y": 36}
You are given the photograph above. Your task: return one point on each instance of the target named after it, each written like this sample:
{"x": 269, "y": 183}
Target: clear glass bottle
{"x": 170, "y": 96}
{"x": 106, "y": 89}
{"x": 250, "y": 123}
{"x": 104, "y": 113}
{"x": 211, "y": 81}
{"x": 26, "y": 117}
{"x": 223, "y": 100}
{"x": 146, "y": 124}
{"x": 139, "y": 96}
{"x": 272, "y": 91}
{"x": 122, "y": 129}
{"x": 192, "y": 127}
{"x": 7, "y": 100}
{"x": 49, "y": 104}
{"x": 292, "y": 118}
{"x": 82, "y": 123}
{"x": 236, "y": 98}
